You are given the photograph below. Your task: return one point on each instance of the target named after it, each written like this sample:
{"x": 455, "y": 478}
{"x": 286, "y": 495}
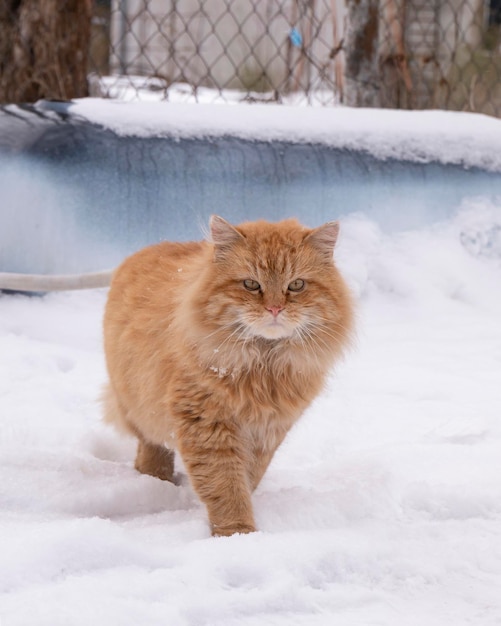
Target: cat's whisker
{"x": 329, "y": 331}
{"x": 229, "y": 337}
{"x": 238, "y": 339}
{"x": 299, "y": 334}
{"x": 304, "y": 336}
{"x": 312, "y": 333}
{"x": 237, "y": 342}
{"x": 322, "y": 343}
{"x": 219, "y": 330}
{"x": 337, "y": 336}
{"x": 320, "y": 318}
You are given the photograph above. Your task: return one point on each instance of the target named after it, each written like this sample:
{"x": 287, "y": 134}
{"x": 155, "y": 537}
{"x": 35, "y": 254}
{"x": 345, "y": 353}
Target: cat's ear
{"x": 324, "y": 238}
{"x": 223, "y": 234}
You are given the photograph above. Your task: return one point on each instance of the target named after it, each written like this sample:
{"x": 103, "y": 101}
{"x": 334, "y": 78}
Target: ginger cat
{"x": 216, "y": 348}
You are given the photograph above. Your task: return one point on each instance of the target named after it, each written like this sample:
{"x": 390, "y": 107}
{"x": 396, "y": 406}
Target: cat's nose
{"x": 274, "y": 310}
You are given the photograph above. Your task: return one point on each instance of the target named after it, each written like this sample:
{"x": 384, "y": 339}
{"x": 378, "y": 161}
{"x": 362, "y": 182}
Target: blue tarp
{"x": 76, "y": 197}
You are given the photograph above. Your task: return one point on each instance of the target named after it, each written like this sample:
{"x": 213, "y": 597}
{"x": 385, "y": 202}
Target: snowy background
{"x": 383, "y": 506}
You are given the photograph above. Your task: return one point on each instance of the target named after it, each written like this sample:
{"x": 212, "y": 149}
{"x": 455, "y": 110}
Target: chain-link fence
{"x": 260, "y": 49}
{"x": 386, "y": 53}
{"x": 391, "y": 53}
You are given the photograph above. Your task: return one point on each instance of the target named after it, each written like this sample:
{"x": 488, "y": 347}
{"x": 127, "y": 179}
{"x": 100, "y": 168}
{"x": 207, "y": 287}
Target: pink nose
{"x": 274, "y": 310}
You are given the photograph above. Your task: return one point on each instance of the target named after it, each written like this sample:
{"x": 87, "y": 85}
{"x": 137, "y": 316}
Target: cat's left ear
{"x": 324, "y": 238}
{"x": 223, "y": 234}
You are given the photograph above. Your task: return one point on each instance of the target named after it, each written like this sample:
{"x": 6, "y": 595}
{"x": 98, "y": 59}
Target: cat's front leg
{"x": 217, "y": 463}
{"x": 264, "y": 450}
{"x": 262, "y": 459}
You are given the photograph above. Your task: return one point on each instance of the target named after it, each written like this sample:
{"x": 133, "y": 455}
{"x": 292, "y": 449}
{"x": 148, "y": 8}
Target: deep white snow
{"x": 382, "y": 507}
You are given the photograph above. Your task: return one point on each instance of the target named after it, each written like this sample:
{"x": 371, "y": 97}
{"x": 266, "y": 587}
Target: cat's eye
{"x": 251, "y": 285}
{"x": 296, "y": 285}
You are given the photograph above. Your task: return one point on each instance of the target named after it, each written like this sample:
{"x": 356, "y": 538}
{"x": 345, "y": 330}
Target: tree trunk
{"x": 44, "y": 47}
{"x": 362, "y": 71}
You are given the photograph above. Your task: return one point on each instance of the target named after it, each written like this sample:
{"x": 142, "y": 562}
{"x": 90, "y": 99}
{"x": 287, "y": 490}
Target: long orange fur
{"x": 216, "y": 349}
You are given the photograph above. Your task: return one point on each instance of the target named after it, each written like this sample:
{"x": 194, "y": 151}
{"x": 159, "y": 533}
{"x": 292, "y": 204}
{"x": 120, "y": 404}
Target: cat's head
{"x": 277, "y": 281}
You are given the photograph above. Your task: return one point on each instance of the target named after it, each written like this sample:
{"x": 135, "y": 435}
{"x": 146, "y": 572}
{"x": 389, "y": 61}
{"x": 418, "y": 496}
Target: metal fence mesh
{"x": 391, "y": 53}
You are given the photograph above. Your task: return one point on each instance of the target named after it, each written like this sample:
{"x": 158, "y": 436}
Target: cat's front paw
{"x": 232, "y": 529}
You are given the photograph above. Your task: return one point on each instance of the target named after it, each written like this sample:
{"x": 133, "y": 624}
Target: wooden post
{"x": 44, "y": 47}
{"x": 362, "y": 72}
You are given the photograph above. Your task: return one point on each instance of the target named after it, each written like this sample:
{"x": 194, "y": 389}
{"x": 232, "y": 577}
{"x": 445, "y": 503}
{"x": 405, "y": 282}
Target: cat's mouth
{"x": 275, "y": 328}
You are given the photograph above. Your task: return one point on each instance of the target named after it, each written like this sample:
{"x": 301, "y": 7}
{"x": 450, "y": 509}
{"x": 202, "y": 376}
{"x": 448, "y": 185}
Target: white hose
{"x": 47, "y": 282}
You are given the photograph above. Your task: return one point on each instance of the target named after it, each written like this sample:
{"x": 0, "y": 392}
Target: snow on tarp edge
{"x": 467, "y": 139}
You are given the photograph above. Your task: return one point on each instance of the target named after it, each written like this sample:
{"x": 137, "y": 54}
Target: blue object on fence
{"x": 296, "y": 38}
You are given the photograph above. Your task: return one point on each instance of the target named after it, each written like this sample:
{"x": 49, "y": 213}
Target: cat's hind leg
{"x": 155, "y": 460}
{"x": 114, "y": 413}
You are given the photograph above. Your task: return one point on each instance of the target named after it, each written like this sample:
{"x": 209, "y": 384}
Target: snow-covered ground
{"x": 382, "y": 507}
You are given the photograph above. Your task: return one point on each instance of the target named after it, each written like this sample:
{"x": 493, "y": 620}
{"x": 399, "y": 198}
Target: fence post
{"x": 362, "y": 71}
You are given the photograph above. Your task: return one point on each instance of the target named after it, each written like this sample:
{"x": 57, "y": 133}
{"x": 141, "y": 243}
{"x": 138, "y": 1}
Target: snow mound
{"x": 383, "y": 506}
{"x": 468, "y": 139}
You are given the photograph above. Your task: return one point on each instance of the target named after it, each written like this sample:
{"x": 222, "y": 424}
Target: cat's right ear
{"x": 223, "y": 234}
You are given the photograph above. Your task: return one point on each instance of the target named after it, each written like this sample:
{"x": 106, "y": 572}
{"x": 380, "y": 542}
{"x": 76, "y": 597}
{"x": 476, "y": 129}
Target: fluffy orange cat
{"x": 216, "y": 348}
